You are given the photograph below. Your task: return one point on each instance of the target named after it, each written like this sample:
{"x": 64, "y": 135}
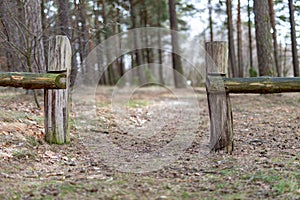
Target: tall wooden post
{"x": 57, "y": 128}
{"x": 221, "y": 124}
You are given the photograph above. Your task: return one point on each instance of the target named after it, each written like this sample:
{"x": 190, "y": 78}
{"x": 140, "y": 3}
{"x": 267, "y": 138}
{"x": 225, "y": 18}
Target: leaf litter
{"x": 264, "y": 165}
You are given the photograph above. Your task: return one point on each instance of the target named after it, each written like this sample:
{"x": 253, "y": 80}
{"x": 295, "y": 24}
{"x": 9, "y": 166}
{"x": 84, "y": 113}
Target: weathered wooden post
{"x": 57, "y": 127}
{"x": 221, "y": 124}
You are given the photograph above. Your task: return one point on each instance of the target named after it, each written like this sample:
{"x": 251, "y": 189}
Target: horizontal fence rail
{"x": 56, "y": 85}
{"x": 262, "y": 85}
{"x": 218, "y": 88}
{"x": 28, "y": 80}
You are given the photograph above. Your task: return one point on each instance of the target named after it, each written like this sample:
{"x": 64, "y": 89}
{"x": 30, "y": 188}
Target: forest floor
{"x": 265, "y": 163}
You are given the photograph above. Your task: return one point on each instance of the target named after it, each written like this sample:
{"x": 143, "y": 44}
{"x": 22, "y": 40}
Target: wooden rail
{"x": 33, "y": 80}
{"x": 56, "y": 86}
{"x": 261, "y": 85}
{"x": 218, "y": 88}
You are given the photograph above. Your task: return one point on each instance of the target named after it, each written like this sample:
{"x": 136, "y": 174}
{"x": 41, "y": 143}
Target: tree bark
{"x": 83, "y": 35}
{"x": 177, "y": 66}
{"x": 65, "y": 28}
{"x": 160, "y": 58}
{"x": 250, "y": 38}
{"x": 263, "y": 38}
{"x": 57, "y": 126}
{"x": 13, "y": 45}
{"x": 240, "y": 41}
{"x": 294, "y": 39}
{"x": 210, "y": 21}
{"x": 35, "y": 46}
{"x": 137, "y": 44}
{"x": 64, "y": 18}
{"x": 274, "y": 34}
{"x": 232, "y": 58}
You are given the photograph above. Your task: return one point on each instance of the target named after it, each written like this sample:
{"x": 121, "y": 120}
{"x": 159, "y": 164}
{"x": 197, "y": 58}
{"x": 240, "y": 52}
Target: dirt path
{"x": 154, "y": 130}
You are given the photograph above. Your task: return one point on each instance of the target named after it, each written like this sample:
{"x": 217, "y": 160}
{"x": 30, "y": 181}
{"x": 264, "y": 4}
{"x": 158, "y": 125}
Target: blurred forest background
{"x": 262, "y": 34}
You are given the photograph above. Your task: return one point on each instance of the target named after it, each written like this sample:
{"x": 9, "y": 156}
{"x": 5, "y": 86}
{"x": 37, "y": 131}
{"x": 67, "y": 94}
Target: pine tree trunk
{"x": 160, "y": 58}
{"x": 232, "y": 58}
{"x": 177, "y": 66}
{"x": 250, "y": 38}
{"x": 210, "y": 21}
{"x": 64, "y": 18}
{"x": 274, "y": 34}
{"x": 84, "y": 38}
{"x": 65, "y": 28}
{"x": 12, "y": 34}
{"x": 35, "y": 45}
{"x": 137, "y": 43}
{"x": 263, "y": 38}
{"x": 240, "y": 42}
{"x": 294, "y": 39}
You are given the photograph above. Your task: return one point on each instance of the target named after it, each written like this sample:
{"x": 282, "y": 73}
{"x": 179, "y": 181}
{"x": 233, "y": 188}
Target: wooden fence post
{"x": 57, "y": 127}
{"x": 221, "y": 124}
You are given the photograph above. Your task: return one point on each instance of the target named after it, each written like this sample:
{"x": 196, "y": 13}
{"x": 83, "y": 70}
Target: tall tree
{"x": 274, "y": 34}
{"x": 83, "y": 29}
{"x": 210, "y": 21}
{"x": 240, "y": 41}
{"x": 11, "y": 35}
{"x": 35, "y": 45}
{"x": 232, "y": 59}
{"x": 98, "y": 40}
{"x": 137, "y": 43}
{"x": 64, "y": 18}
{"x": 65, "y": 28}
{"x": 160, "y": 57}
{"x": 294, "y": 40}
{"x": 263, "y": 38}
{"x": 250, "y": 39}
{"x": 175, "y": 46}
{"x": 107, "y": 33}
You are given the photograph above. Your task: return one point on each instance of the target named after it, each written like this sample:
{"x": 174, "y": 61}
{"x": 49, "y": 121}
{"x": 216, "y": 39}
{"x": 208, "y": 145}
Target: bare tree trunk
{"x": 35, "y": 45}
{"x": 210, "y": 21}
{"x": 274, "y": 34}
{"x": 240, "y": 42}
{"x": 284, "y": 60}
{"x": 107, "y": 33}
{"x": 160, "y": 59}
{"x": 83, "y": 35}
{"x": 294, "y": 40}
{"x": 263, "y": 38}
{"x": 64, "y": 18}
{"x": 175, "y": 46}
{"x": 232, "y": 58}
{"x": 65, "y": 28}
{"x": 98, "y": 41}
{"x": 12, "y": 36}
{"x": 119, "y": 30}
{"x": 139, "y": 56}
{"x": 250, "y": 38}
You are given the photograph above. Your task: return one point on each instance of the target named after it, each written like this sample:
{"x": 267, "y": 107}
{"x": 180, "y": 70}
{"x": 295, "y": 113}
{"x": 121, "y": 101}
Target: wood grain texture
{"x": 57, "y": 127}
{"x": 221, "y": 124}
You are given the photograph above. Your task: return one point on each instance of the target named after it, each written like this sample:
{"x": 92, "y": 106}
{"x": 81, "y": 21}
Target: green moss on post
{"x": 28, "y": 80}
